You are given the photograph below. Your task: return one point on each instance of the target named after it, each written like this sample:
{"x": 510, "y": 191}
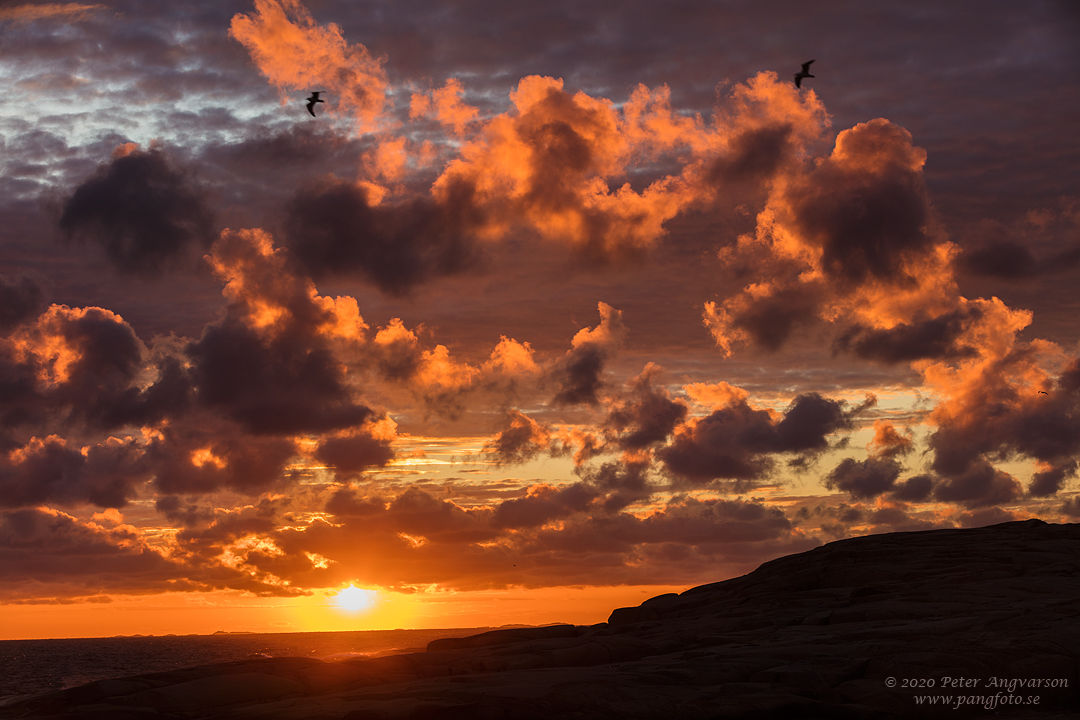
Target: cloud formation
{"x": 335, "y": 229}
{"x": 296, "y": 53}
{"x": 737, "y": 442}
{"x": 270, "y": 363}
{"x": 140, "y": 209}
{"x": 469, "y": 430}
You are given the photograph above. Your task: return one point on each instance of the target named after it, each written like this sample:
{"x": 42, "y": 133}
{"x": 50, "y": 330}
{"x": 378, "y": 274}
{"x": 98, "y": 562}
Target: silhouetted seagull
{"x": 312, "y": 100}
{"x": 804, "y": 73}
{"x": 1043, "y": 392}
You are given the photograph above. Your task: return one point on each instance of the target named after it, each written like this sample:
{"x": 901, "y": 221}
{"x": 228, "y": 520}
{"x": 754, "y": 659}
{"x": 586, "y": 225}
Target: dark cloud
{"x": 981, "y": 485}
{"x": 175, "y": 510}
{"x": 770, "y": 319}
{"x": 87, "y": 366}
{"x": 334, "y": 230}
{"x": 619, "y": 484}
{"x": 552, "y": 536}
{"x": 581, "y": 375}
{"x": 1011, "y": 260}
{"x": 204, "y": 454}
{"x": 579, "y": 372}
{"x": 520, "y": 440}
{"x": 106, "y": 475}
{"x": 737, "y": 442}
{"x": 21, "y": 299}
{"x": 1004, "y": 259}
{"x": 1069, "y": 380}
{"x": 271, "y": 363}
{"x": 755, "y": 156}
{"x": 937, "y": 338}
{"x": 1048, "y": 482}
{"x": 543, "y": 504}
{"x": 916, "y": 488}
{"x": 230, "y": 525}
{"x": 45, "y": 546}
{"x": 1071, "y": 507}
{"x": 143, "y": 211}
{"x": 1013, "y": 421}
{"x": 274, "y": 385}
{"x": 866, "y": 207}
{"x": 354, "y": 451}
{"x": 864, "y": 479}
{"x": 344, "y": 503}
{"x": 648, "y": 416}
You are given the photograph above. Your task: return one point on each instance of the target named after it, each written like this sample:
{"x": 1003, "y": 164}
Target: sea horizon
{"x": 40, "y": 665}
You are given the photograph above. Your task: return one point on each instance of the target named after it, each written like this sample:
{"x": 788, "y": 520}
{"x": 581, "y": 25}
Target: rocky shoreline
{"x": 863, "y": 628}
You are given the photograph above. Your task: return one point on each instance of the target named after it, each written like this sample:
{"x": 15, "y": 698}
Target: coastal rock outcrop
{"x": 943, "y": 623}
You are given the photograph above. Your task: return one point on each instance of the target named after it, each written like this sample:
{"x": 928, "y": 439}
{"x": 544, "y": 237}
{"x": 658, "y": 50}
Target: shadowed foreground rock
{"x": 822, "y": 634}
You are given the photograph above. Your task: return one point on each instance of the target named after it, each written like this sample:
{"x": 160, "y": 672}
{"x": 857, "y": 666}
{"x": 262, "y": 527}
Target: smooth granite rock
{"x": 860, "y": 628}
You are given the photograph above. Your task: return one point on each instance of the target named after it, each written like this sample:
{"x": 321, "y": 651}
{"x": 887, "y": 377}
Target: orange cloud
{"x": 72, "y": 12}
{"x": 556, "y": 163}
{"x": 296, "y": 53}
{"x": 447, "y": 105}
{"x": 715, "y": 395}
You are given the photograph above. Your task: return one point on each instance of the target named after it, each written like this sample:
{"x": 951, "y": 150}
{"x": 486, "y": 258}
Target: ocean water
{"x": 36, "y": 666}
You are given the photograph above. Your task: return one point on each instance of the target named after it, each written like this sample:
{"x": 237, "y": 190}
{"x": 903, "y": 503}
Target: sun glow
{"x": 353, "y": 599}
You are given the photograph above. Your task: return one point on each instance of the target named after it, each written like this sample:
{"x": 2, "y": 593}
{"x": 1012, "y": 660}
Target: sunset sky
{"x": 552, "y": 308}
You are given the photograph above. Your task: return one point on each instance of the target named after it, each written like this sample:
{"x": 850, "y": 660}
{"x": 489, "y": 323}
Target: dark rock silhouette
{"x": 804, "y": 73}
{"x": 813, "y": 635}
{"x": 312, "y": 100}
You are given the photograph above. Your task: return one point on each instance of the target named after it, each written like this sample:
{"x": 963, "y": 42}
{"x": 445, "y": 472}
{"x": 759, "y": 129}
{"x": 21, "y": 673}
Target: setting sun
{"x": 354, "y": 599}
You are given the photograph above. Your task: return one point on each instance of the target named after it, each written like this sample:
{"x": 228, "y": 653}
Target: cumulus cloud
{"x": 599, "y": 176}
{"x": 86, "y": 367}
{"x": 738, "y": 442}
{"x": 579, "y": 373}
{"x": 52, "y": 557}
{"x": 108, "y": 474}
{"x": 272, "y": 363}
{"x": 520, "y": 440}
{"x": 944, "y": 336}
{"x": 979, "y": 485}
{"x": 204, "y": 454}
{"x": 142, "y": 210}
{"x": 358, "y": 449}
{"x": 648, "y": 416}
{"x": 296, "y": 53}
{"x": 852, "y": 242}
{"x": 864, "y": 479}
{"x": 542, "y": 504}
{"x": 992, "y": 409}
{"x": 849, "y": 240}
{"x": 335, "y": 228}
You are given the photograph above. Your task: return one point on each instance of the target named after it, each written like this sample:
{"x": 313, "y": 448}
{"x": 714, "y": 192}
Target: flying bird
{"x": 312, "y": 100}
{"x": 1043, "y": 392}
{"x": 804, "y": 73}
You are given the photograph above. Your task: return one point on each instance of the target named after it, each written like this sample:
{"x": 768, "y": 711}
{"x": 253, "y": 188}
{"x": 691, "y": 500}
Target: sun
{"x": 354, "y": 599}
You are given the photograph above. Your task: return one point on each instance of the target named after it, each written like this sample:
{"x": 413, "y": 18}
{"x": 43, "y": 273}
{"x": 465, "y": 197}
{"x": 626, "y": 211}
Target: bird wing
{"x": 311, "y": 108}
{"x": 798, "y": 81}
{"x": 806, "y": 66}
